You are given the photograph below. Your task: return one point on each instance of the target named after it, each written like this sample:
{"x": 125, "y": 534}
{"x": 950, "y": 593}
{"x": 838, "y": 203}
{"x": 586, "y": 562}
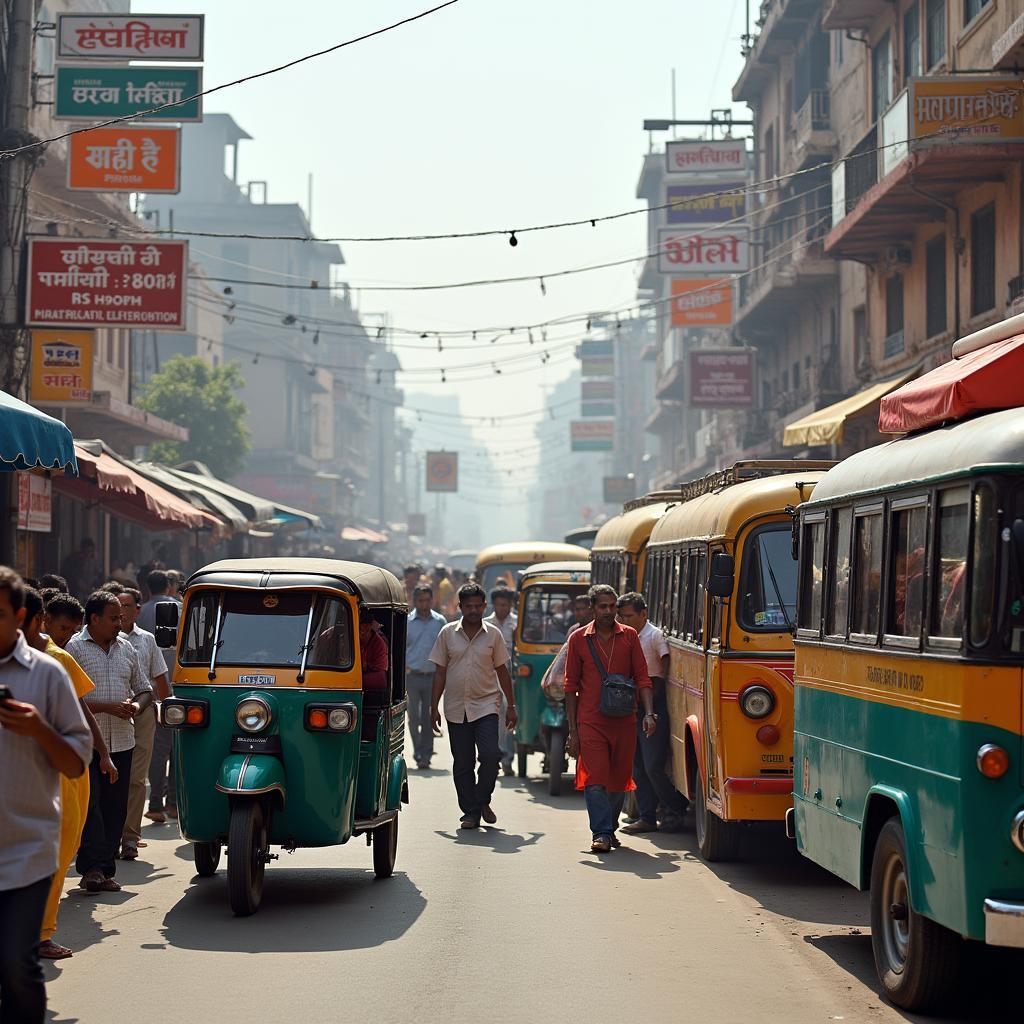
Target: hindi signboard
{"x": 597, "y": 367}
{"x": 35, "y": 503}
{"x": 701, "y": 302}
{"x": 130, "y": 36}
{"x": 96, "y": 93}
{"x": 442, "y": 471}
{"x": 619, "y": 489}
{"x": 61, "y": 367}
{"x": 948, "y": 108}
{"x": 697, "y": 156}
{"x": 597, "y": 408}
{"x": 125, "y": 158}
{"x": 592, "y": 435}
{"x": 705, "y": 204}
{"x": 597, "y": 390}
{"x": 703, "y": 253}
{"x": 590, "y": 349}
{"x": 722, "y": 378}
{"x": 84, "y": 282}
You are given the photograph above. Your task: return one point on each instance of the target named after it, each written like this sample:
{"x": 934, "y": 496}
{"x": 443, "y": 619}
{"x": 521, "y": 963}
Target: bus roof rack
{"x": 750, "y": 469}
{"x": 651, "y": 498}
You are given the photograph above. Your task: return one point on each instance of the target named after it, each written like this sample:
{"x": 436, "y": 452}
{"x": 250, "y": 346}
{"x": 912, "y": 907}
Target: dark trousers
{"x": 653, "y": 786}
{"x": 161, "y": 781}
{"x": 470, "y": 740}
{"x": 420, "y": 690}
{"x": 108, "y": 808}
{"x": 22, "y": 989}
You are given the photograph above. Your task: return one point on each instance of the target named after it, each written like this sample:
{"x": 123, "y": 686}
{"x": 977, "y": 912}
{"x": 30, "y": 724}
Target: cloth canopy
{"x": 29, "y": 439}
{"x": 363, "y": 533}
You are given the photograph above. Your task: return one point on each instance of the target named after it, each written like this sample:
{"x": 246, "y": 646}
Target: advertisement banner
{"x": 61, "y": 367}
{"x": 130, "y": 36}
{"x": 35, "y": 503}
{"x": 602, "y": 408}
{"x": 701, "y": 302}
{"x": 705, "y": 204}
{"x": 597, "y": 367}
{"x": 703, "y": 253}
{"x": 948, "y": 108}
{"x": 83, "y": 282}
{"x": 96, "y": 93}
{"x": 722, "y": 378}
{"x": 592, "y": 435}
{"x": 596, "y": 349}
{"x": 696, "y": 156}
{"x": 597, "y": 390}
{"x": 442, "y": 471}
{"x": 619, "y": 489}
{"x": 125, "y": 158}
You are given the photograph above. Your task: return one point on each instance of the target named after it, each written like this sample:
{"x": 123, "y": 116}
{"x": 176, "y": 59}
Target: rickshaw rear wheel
{"x": 556, "y": 761}
{"x": 207, "y": 858}
{"x": 247, "y": 849}
{"x": 522, "y": 753}
{"x": 385, "y": 848}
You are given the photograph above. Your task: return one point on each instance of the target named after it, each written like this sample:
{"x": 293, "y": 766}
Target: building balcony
{"x": 123, "y": 426}
{"x": 843, "y": 14}
{"x": 661, "y": 419}
{"x": 812, "y": 139}
{"x": 781, "y": 23}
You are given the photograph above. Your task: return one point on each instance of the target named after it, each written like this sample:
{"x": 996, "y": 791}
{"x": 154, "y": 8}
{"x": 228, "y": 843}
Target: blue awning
{"x": 29, "y": 439}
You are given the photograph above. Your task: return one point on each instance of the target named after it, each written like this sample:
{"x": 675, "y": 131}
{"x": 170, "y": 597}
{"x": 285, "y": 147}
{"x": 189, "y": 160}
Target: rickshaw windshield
{"x": 548, "y": 614}
{"x": 266, "y": 628}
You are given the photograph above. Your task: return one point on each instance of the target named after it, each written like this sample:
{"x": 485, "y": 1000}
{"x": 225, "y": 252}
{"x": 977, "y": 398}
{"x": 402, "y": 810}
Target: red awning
{"x": 981, "y": 381}
{"x": 107, "y": 472}
{"x": 363, "y": 533}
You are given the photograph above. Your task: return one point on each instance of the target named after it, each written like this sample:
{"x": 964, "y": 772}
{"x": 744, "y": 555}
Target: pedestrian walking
{"x": 653, "y": 786}
{"x": 422, "y": 630}
{"x": 43, "y": 736}
{"x": 154, "y": 668}
{"x": 472, "y": 674}
{"x": 444, "y": 592}
{"x": 504, "y": 618}
{"x": 604, "y": 661}
{"x": 122, "y": 694}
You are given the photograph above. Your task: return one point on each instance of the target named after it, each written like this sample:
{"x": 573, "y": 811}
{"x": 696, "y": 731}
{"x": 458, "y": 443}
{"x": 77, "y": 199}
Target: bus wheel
{"x": 207, "y": 857}
{"x": 917, "y": 960}
{"x": 385, "y": 848}
{"x": 718, "y": 840}
{"x": 522, "y": 753}
{"x": 248, "y": 843}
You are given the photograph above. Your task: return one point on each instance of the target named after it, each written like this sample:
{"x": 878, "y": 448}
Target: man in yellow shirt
{"x": 74, "y": 793}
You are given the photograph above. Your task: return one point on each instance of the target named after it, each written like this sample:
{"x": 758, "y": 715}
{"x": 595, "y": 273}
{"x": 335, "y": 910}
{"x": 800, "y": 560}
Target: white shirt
{"x": 655, "y": 647}
{"x": 471, "y": 688}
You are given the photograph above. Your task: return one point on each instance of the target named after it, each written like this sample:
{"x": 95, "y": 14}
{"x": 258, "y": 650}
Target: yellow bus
{"x": 506, "y": 561}
{"x": 721, "y": 584}
{"x": 619, "y": 554}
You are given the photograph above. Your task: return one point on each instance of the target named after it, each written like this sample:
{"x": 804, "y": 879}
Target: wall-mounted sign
{"x": 35, "y": 503}
{"x": 705, "y": 204}
{"x": 85, "y": 282}
{"x": 442, "y": 471}
{"x": 948, "y": 108}
{"x": 597, "y": 390}
{"x": 590, "y": 349}
{"x": 61, "y": 367}
{"x": 597, "y": 367}
{"x": 130, "y": 36}
{"x": 701, "y": 302}
{"x": 619, "y": 489}
{"x": 703, "y": 253}
{"x": 597, "y": 408}
{"x": 96, "y": 93}
{"x": 690, "y": 156}
{"x": 592, "y": 435}
{"x": 125, "y": 158}
{"x": 722, "y": 378}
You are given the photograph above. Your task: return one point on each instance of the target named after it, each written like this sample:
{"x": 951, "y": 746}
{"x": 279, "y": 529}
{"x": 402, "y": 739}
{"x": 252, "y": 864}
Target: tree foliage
{"x": 204, "y": 398}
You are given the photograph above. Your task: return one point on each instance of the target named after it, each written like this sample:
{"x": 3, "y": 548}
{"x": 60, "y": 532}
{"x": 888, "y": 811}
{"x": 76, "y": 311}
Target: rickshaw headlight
{"x": 253, "y": 714}
{"x": 757, "y": 701}
{"x": 1017, "y": 831}
{"x": 174, "y": 714}
{"x": 340, "y": 719}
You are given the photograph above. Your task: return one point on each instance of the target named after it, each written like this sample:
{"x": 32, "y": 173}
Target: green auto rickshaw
{"x": 288, "y": 730}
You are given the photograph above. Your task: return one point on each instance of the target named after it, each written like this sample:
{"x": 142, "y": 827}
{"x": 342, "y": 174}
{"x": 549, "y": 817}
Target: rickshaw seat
{"x": 375, "y": 703}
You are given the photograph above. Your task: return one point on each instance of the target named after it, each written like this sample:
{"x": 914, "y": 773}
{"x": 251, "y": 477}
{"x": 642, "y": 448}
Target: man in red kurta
{"x": 604, "y": 746}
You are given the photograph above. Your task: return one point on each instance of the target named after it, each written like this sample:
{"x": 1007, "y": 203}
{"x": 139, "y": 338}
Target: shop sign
{"x": 61, "y": 367}
{"x": 695, "y": 156}
{"x": 951, "y": 108}
{"x": 80, "y": 282}
{"x": 443, "y": 471}
{"x": 130, "y": 36}
{"x": 722, "y": 378}
{"x": 35, "y": 503}
{"x": 597, "y": 367}
{"x": 417, "y": 524}
{"x": 96, "y": 93}
{"x": 701, "y": 302}
{"x": 598, "y": 409}
{"x": 619, "y": 489}
{"x": 596, "y": 349}
{"x": 705, "y": 204}
{"x": 125, "y": 158}
{"x": 703, "y": 252}
{"x": 592, "y": 435}
{"x": 596, "y": 390}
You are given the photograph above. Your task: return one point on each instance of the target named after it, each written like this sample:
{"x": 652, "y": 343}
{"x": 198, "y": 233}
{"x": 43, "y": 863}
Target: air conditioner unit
{"x": 898, "y": 254}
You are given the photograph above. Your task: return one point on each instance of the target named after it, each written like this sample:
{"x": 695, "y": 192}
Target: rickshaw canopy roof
{"x": 375, "y": 587}
{"x": 557, "y": 571}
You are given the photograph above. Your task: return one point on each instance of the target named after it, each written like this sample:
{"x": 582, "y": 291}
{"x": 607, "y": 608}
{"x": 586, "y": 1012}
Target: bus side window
{"x": 678, "y": 591}
{"x": 983, "y": 564}
{"x": 949, "y": 566}
{"x": 867, "y": 574}
{"x": 700, "y": 576}
{"x": 907, "y": 564}
{"x": 812, "y": 576}
{"x": 839, "y": 578}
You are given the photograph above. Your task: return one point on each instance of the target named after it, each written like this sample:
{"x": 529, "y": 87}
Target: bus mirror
{"x": 722, "y": 576}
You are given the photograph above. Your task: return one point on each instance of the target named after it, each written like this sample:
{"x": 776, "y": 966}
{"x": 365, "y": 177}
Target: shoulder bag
{"x": 618, "y": 692}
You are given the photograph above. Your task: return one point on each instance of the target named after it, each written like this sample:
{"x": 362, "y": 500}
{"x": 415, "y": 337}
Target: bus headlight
{"x": 252, "y": 714}
{"x": 1017, "y": 831}
{"x": 757, "y": 701}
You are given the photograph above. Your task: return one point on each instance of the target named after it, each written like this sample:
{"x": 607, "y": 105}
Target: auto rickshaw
{"x": 281, "y": 738}
{"x": 547, "y": 596}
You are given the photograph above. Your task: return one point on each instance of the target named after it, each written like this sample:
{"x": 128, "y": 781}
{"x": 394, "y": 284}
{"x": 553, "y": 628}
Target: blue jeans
{"x": 604, "y": 809}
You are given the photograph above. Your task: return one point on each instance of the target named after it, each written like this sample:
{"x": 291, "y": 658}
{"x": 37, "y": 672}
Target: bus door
{"x": 712, "y": 703}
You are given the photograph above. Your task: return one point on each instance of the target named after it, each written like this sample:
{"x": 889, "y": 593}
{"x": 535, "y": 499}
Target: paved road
{"x": 517, "y": 922}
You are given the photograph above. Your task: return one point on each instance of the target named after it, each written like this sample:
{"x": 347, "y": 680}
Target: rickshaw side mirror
{"x": 166, "y": 616}
{"x": 722, "y": 577}
{"x": 166, "y": 636}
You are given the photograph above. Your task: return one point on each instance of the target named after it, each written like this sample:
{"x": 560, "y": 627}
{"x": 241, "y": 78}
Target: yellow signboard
{"x": 950, "y": 108}
{"x": 61, "y": 366}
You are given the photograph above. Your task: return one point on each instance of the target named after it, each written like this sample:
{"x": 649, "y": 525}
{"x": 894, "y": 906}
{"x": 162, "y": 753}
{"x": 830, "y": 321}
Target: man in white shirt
{"x": 653, "y": 786}
{"x": 502, "y": 601}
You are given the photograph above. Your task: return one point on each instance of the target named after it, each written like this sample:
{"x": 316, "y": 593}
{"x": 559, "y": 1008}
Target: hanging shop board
{"x": 130, "y": 36}
{"x": 91, "y": 92}
{"x": 125, "y": 158}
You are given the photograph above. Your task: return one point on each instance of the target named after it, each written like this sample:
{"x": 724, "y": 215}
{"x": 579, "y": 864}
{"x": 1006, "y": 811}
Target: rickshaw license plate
{"x": 256, "y": 680}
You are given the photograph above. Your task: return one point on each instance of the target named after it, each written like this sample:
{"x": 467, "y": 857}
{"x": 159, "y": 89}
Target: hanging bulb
{"x": 380, "y": 331}
{"x": 512, "y": 240}
{"x": 440, "y": 345}
{"x": 288, "y": 319}
{"x": 495, "y": 338}
{"x": 531, "y": 337}
{"x": 544, "y": 334}
{"x": 316, "y": 337}
{"x": 255, "y": 360}
{"x": 543, "y": 287}
{"x": 231, "y": 305}
{"x": 474, "y": 335}
{"x": 588, "y": 323}
{"x": 593, "y": 223}
{"x": 229, "y": 290}
{"x": 496, "y": 368}
{"x": 444, "y": 379}
{"x": 423, "y": 336}
{"x": 312, "y": 371}
{"x": 378, "y": 376}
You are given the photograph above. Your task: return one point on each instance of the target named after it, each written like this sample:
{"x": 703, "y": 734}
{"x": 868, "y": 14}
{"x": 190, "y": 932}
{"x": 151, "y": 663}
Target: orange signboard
{"x": 946, "y": 108}
{"x": 61, "y": 367}
{"x": 701, "y": 302}
{"x": 125, "y": 158}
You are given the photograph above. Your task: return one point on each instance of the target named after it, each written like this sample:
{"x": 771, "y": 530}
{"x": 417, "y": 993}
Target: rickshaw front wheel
{"x": 247, "y": 850}
{"x": 207, "y": 858}
{"x": 385, "y": 848}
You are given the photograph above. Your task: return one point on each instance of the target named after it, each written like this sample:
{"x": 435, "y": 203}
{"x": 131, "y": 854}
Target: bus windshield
{"x": 768, "y": 585}
{"x": 501, "y": 572}
{"x": 547, "y": 615}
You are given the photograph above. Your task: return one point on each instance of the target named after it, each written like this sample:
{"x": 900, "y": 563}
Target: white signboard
{"x": 130, "y": 36}
{"x": 693, "y": 157}
{"x": 688, "y": 251}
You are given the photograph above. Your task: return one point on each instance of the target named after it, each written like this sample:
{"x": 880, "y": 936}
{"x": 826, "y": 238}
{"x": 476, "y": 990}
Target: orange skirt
{"x": 606, "y": 754}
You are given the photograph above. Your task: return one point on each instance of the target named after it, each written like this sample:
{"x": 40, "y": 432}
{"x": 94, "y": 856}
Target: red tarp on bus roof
{"x": 985, "y": 380}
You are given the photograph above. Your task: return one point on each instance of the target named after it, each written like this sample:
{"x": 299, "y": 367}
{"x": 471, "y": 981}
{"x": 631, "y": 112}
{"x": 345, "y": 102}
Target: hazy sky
{"x": 491, "y": 113}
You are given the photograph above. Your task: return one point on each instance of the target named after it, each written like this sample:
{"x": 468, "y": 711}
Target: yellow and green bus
{"x": 909, "y": 763}
{"x": 619, "y": 552}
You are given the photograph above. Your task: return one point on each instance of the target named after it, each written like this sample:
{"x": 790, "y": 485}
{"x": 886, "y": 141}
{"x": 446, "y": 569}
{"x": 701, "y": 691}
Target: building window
{"x": 881, "y": 76}
{"x": 972, "y": 8}
{"x": 894, "y": 316}
{"x": 983, "y": 260}
{"x": 912, "y": 41}
{"x": 935, "y": 286}
{"x": 769, "y": 151}
{"x": 860, "y": 338}
{"x": 935, "y": 31}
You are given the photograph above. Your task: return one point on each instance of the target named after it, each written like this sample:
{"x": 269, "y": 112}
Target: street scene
{"x": 511, "y": 508}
